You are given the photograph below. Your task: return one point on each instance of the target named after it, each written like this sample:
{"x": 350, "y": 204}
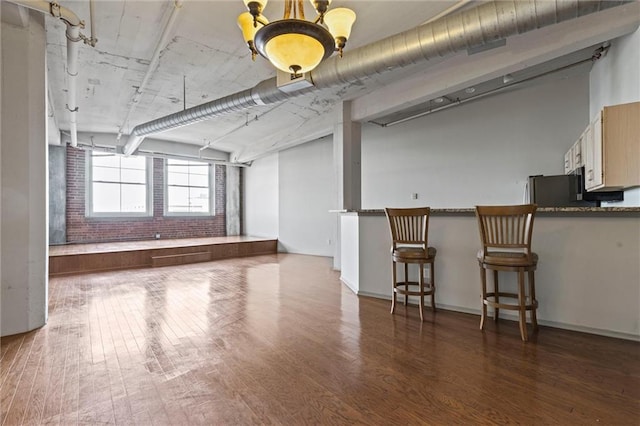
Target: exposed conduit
{"x": 153, "y": 63}
{"x": 505, "y": 88}
{"x": 445, "y": 36}
{"x": 449, "y": 11}
{"x": 74, "y": 24}
{"x": 114, "y": 150}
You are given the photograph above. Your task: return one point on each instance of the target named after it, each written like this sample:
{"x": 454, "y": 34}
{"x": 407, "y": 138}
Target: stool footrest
{"x": 509, "y": 306}
{"x": 399, "y": 288}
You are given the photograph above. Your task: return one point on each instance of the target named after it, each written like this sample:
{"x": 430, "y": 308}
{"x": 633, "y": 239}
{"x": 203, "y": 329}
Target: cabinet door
{"x": 568, "y": 157}
{"x": 598, "y": 149}
{"x": 593, "y": 154}
{"x": 578, "y": 161}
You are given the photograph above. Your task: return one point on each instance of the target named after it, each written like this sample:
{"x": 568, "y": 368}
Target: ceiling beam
{"x": 520, "y": 52}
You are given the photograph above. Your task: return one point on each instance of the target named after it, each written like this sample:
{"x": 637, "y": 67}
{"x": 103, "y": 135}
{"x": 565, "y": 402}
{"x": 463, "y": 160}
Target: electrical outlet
{"x": 414, "y": 195}
{"x": 157, "y": 236}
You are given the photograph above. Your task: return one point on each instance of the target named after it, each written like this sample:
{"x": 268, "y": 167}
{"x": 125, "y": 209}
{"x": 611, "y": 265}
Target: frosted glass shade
{"x": 296, "y": 53}
{"x": 340, "y": 21}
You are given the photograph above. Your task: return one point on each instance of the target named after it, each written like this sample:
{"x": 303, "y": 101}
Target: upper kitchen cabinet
{"x": 612, "y": 149}
{"x": 574, "y": 158}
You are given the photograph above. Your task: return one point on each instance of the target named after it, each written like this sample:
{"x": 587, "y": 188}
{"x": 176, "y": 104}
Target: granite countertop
{"x": 551, "y": 211}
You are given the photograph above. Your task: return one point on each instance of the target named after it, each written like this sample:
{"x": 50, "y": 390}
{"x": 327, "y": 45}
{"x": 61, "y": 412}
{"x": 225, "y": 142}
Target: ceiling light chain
{"x": 293, "y": 44}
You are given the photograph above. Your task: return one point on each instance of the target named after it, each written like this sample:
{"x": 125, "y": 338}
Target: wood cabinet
{"x": 577, "y": 150}
{"x": 611, "y": 149}
{"x": 568, "y": 162}
{"x": 574, "y": 158}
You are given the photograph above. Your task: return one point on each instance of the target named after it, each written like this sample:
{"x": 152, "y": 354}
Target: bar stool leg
{"x": 522, "y": 305}
{"x": 421, "y": 283}
{"x": 496, "y": 310}
{"x": 483, "y": 279}
{"x": 394, "y": 283}
{"x": 534, "y": 302}
{"x": 433, "y": 286}
{"x": 406, "y": 283}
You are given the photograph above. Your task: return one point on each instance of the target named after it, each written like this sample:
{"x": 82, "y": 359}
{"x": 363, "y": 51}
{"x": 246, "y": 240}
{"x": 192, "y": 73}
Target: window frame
{"x": 89, "y": 212}
{"x": 212, "y": 190}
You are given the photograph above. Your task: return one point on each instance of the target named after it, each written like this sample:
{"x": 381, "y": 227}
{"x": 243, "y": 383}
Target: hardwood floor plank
{"x": 11, "y": 349}
{"x": 277, "y": 340}
{"x": 23, "y": 382}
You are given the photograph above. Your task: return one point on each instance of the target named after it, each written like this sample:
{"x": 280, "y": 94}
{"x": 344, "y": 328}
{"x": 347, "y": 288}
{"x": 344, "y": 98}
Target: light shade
{"x": 245, "y": 22}
{"x": 339, "y": 21}
{"x": 294, "y": 45}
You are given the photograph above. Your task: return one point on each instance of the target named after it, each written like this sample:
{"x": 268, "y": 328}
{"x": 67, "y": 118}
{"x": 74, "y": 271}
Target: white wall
{"x": 615, "y": 79}
{"x": 261, "y": 200}
{"x": 24, "y": 265}
{"x": 288, "y": 195}
{"x": 477, "y": 153}
{"x": 307, "y": 193}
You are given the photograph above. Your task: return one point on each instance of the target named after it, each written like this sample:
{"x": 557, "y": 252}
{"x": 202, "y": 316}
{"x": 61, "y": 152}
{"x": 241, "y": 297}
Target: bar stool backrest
{"x": 409, "y": 226}
{"x": 506, "y": 227}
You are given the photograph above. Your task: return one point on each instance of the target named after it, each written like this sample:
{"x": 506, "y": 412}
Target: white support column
{"x": 233, "y": 200}
{"x": 24, "y": 169}
{"x": 347, "y": 163}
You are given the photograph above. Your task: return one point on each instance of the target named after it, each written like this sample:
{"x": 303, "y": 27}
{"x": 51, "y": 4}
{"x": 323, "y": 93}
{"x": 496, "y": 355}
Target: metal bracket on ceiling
{"x": 601, "y": 51}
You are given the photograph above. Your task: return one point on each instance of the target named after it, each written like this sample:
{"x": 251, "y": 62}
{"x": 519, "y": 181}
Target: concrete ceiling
{"x": 205, "y": 59}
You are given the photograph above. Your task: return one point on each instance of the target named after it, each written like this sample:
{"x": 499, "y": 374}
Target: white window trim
{"x": 88, "y": 192}
{"x": 212, "y": 193}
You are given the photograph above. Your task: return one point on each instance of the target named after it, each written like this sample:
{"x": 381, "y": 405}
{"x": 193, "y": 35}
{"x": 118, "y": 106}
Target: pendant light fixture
{"x": 293, "y": 44}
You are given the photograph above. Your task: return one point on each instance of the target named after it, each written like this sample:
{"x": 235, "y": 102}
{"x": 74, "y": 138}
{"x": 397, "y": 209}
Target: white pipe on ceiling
{"x": 74, "y": 24}
{"x": 153, "y": 63}
{"x": 73, "y": 37}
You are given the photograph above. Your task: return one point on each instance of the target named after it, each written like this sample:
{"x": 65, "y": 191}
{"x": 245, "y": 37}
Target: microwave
{"x": 567, "y": 191}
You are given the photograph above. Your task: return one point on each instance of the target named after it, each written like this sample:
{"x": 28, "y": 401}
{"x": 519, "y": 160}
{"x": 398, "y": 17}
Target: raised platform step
{"x": 82, "y": 258}
{"x": 180, "y": 259}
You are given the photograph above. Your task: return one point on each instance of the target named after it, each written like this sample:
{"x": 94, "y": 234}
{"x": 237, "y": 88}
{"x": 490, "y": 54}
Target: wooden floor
{"x": 276, "y": 339}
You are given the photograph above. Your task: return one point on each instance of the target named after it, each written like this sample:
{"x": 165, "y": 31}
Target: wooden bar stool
{"x": 505, "y": 234}
{"x": 409, "y": 235}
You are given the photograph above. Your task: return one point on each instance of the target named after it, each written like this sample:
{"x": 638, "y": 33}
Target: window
{"x": 118, "y": 185}
{"x": 189, "y": 186}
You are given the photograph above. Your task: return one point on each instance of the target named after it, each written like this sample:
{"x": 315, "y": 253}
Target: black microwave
{"x": 567, "y": 191}
{"x": 581, "y": 194}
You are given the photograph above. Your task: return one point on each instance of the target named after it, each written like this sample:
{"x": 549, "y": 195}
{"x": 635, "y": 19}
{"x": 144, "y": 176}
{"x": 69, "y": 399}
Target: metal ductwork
{"x": 442, "y": 37}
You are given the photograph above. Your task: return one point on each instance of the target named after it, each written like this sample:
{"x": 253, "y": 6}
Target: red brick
{"x": 91, "y": 229}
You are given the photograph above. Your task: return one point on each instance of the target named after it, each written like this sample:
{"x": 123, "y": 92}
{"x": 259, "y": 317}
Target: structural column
{"x": 23, "y": 156}
{"x": 233, "y": 200}
{"x": 347, "y": 163}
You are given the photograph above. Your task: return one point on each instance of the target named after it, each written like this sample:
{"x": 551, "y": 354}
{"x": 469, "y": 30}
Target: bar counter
{"x": 588, "y": 276}
{"x": 566, "y": 211}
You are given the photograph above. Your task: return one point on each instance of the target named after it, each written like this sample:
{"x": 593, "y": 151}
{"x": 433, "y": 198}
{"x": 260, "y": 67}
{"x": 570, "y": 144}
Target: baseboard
{"x": 511, "y": 317}
{"x": 374, "y": 295}
{"x": 350, "y": 286}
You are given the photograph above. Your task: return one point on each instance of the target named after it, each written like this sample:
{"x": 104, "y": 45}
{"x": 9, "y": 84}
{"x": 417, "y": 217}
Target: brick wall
{"x": 92, "y": 229}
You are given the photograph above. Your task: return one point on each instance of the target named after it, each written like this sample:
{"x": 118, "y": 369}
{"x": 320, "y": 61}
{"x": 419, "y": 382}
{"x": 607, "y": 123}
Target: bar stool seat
{"x": 505, "y": 258}
{"x": 409, "y": 254}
